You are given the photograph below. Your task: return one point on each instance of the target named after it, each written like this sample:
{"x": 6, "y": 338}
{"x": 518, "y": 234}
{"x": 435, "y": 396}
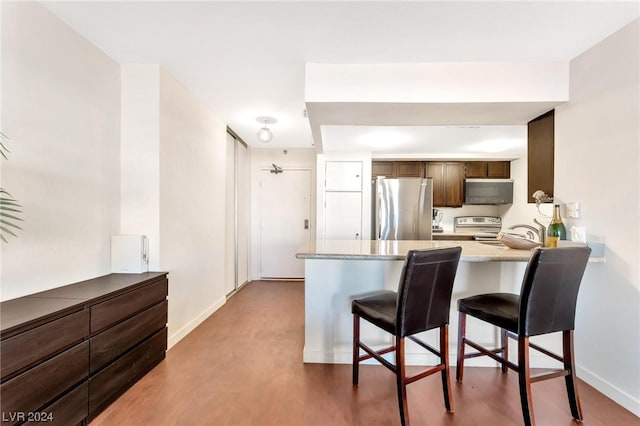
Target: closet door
{"x": 237, "y": 214}
{"x": 230, "y": 216}
{"x": 243, "y": 214}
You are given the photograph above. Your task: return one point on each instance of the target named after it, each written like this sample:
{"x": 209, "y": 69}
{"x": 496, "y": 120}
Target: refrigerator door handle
{"x": 425, "y": 211}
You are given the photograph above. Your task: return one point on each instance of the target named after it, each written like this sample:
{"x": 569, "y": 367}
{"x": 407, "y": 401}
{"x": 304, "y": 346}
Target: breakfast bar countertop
{"x": 336, "y": 270}
{"x": 472, "y": 251}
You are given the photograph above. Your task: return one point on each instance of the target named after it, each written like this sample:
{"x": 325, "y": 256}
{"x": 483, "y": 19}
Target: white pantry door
{"x": 285, "y": 216}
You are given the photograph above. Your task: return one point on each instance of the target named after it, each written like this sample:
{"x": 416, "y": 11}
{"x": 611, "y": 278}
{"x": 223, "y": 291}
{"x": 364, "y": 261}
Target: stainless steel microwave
{"x": 488, "y": 191}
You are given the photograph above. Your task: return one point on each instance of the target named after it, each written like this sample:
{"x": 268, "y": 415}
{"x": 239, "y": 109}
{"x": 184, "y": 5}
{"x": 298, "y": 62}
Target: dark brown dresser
{"x": 67, "y": 353}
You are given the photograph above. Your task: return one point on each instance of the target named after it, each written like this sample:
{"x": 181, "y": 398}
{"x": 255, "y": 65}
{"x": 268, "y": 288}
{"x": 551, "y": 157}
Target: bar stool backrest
{"x": 424, "y": 293}
{"x": 550, "y": 289}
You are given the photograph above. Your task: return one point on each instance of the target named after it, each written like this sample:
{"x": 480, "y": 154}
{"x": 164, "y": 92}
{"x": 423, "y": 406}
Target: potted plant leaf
{"x": 9, "y": 207}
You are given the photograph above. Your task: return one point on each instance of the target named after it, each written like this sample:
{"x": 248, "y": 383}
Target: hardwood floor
{"x": 243, "y": 366}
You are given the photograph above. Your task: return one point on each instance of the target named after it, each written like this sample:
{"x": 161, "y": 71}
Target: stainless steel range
{"x": 483, "y": 228}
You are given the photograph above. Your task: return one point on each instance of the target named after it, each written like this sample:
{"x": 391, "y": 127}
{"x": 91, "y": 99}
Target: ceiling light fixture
{"x": 265, "y": 134}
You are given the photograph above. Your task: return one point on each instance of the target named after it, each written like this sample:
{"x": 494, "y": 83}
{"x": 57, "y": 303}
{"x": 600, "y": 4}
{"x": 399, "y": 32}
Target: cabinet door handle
{"x": 357, "y": 235}
{"x": 306, "y": 224}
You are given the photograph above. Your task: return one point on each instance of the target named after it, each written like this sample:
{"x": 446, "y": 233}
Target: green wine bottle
{"x": 556, "y": 230}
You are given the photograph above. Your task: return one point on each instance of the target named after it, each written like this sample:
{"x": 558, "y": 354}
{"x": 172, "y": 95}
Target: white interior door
{"x": 285, "y": 216}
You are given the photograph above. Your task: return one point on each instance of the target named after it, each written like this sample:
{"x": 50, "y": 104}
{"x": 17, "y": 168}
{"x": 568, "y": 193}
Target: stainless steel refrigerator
{"x": 403, "y": 209}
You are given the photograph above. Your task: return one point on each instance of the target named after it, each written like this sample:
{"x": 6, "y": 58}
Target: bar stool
{"x": 546, "y": 304}
{"x": 421, "y": 303}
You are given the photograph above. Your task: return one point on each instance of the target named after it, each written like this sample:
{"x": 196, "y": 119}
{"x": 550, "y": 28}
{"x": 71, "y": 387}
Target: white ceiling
{"x": 247, "y": 59}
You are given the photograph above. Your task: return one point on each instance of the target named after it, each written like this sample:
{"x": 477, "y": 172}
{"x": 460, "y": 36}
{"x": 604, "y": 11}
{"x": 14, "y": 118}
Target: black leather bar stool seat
{"x": 422, "y": 303}
{"x": 499, "y": 309}
{"x": 546, "y": 304}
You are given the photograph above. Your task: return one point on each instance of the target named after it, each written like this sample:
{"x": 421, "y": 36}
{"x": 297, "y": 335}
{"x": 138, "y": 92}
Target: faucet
{"x": 542, "y": 232}
{"x": 531, "y": 231}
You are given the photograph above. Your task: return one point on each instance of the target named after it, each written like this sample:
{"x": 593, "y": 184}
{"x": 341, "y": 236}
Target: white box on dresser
{"x": 129, "y": 254}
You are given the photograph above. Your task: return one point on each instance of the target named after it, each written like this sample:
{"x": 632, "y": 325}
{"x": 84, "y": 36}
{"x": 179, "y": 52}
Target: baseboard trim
{"x": 619, "y": 396}
{"x": 191, "y": 325}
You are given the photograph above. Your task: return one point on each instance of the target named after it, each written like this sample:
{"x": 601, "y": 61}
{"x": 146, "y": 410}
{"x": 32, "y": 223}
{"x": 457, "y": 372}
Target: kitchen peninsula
{"x": 338, "y": 270}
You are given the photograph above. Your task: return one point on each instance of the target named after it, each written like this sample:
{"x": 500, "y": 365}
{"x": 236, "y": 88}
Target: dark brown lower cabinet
{"x": 35, "y": 388}
{"x": 67, "y": 353}
{"x": 71, "y": 409}
{"x": 113, "y": 342}
{"x": 108, "y": 384}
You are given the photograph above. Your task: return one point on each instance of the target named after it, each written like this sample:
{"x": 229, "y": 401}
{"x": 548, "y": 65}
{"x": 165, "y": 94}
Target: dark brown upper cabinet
{"x": 488, "y": 169}
{"x": 409, "y": 169}
{"x": 393, "y": 169}
{"x": 540, "y": 150}
{"x": 499, "y": 169}
{"x": 448, "y": 181}
{"x": 475, "y": 169}
{"x": 383, "y": 168}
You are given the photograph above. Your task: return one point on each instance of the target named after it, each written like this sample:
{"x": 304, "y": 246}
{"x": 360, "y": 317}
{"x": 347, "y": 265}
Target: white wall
{"x": 62, "y": 105}
{"x": 173, "y": 190}
{"x": 262, "y": 159}
{"x": 140, "y": 157}
{"x": 597, "y": 140}
{"x": 597, "y": 148}
{"x": 61, "y": 109}
{"x": 192, "y": 206}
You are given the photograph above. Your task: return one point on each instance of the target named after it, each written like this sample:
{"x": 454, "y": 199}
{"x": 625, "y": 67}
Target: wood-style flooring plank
{"x": 243, "y": 366}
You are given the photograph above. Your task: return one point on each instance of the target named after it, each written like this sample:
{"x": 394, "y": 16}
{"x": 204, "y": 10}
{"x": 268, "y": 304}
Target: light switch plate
{"x": 573, "y": 208}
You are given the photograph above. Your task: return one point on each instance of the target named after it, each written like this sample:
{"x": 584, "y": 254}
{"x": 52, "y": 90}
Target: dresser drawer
{"x": 71, "y": 409}
{"x": 111, "y": 382}
{"x": 31, "y": 390}
{"x": 116, "y": 309}
{"x": 31, "y": 346}
{"x": 111, "y": 343}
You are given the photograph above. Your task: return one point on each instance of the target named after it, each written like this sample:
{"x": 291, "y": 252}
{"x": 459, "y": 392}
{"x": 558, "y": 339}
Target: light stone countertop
{"x": 472, "y": 251}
